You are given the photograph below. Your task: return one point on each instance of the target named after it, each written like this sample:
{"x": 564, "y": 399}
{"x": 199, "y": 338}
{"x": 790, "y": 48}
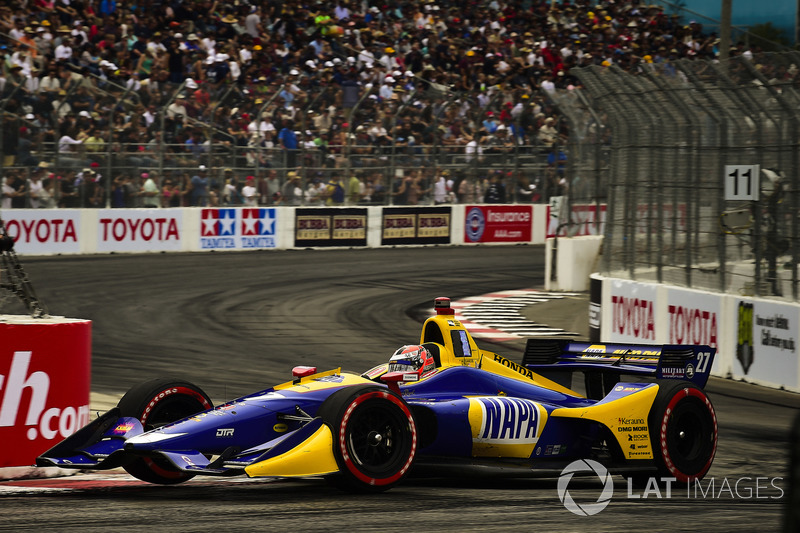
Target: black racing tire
{"x": 156, "y": 403}
{"x": 683, "y": 431}
{"x": 374, "y": 437}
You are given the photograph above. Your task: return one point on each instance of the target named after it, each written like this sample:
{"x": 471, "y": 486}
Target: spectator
{"x": 355, "y": 189}
{"x": 496, "y": 192}
{"x": 150, "y": 191}
{"x": 24, "y": 146}
{"x": 119, "y": 192}
{"x": 199, "y": 192}
{"x": 68, "y": 194}
{"x": 509, "y": 56}
{"x": 250, "y": 192}
{"x": 442, "y": 188}
{"x": 270, "y": 188}
{"x": 313, "y": 194}
{"x": 10, "y": 193}
{"x": 170, "y": 194}
{"x": 335, "y": 192}
{"x": 36, "y": 189}
{"x": 292, "y": 191}
{"x": 288, "y": 141}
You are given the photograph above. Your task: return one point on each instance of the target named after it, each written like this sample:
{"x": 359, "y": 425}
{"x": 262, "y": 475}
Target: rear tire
{"x": 156, "y": 403}
{"x": 683, "y": 431}
{"x": 374, "y": 437}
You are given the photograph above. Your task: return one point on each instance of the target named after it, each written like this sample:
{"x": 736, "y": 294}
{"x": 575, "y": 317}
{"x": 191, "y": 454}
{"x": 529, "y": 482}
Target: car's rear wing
{"x": 691, "y": 362}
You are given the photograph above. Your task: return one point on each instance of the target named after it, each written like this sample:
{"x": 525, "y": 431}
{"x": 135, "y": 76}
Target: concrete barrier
{"x": 569, "y": 261}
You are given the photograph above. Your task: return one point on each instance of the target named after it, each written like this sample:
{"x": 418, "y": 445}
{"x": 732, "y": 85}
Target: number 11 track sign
{"x": 742, "y": 182}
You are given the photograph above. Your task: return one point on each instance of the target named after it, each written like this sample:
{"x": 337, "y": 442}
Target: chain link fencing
{"x": 700, "y": 163}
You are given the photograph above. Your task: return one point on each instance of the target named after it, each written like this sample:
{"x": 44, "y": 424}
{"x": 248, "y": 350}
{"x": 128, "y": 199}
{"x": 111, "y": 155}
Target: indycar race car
{"x": 443, "y": 400}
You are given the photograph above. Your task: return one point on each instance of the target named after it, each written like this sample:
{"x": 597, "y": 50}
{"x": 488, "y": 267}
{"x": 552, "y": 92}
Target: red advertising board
{"x": 498, "y": 223}
{"x": 45, "y": 378}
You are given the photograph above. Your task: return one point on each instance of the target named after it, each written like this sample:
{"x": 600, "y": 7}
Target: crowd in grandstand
{"x": 153, "y": 85}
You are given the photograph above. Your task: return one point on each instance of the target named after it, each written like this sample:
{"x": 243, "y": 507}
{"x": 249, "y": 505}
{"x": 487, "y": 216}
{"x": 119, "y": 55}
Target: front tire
{"x": 156, "y": 403}
{"x": 683, "y": 431}
{"x": 375, "y": 437}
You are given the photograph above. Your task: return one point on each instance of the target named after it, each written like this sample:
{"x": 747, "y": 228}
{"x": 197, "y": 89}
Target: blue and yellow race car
{"x": 443, "y": 400}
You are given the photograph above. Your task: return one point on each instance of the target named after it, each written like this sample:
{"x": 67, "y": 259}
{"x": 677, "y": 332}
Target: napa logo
{"x": 503, "y": 420}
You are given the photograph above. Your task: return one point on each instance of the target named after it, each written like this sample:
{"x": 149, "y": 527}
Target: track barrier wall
{"x": 755, "y": 338}
{"x": 89, "y": 231}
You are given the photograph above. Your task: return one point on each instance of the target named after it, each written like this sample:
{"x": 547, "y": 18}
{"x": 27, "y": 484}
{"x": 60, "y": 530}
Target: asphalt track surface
{"x": 237, "y": 322}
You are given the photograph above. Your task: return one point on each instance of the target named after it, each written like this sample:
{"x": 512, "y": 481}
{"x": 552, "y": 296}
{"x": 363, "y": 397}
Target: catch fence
{"x": 700, "y": 161}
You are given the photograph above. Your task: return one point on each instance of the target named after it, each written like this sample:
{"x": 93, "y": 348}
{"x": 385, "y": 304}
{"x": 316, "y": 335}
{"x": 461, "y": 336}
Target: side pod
{"x": 309, "y": 452}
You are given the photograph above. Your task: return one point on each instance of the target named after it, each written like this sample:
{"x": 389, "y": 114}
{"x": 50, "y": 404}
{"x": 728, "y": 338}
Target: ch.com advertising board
{"x": 45, "y": 378}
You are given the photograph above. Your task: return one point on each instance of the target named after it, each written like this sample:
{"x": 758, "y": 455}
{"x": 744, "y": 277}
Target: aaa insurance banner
{"x": 498, "y": 223}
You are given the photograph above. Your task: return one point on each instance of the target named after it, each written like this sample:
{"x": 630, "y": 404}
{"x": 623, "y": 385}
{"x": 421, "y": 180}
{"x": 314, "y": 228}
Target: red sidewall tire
{"x": 155, "y": 403}
{"x": 375, "y": 436}
{"x": 684, "y": 431}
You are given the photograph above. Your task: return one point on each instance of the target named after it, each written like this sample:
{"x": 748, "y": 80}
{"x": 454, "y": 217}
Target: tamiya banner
{"x": 236, "y": 228}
